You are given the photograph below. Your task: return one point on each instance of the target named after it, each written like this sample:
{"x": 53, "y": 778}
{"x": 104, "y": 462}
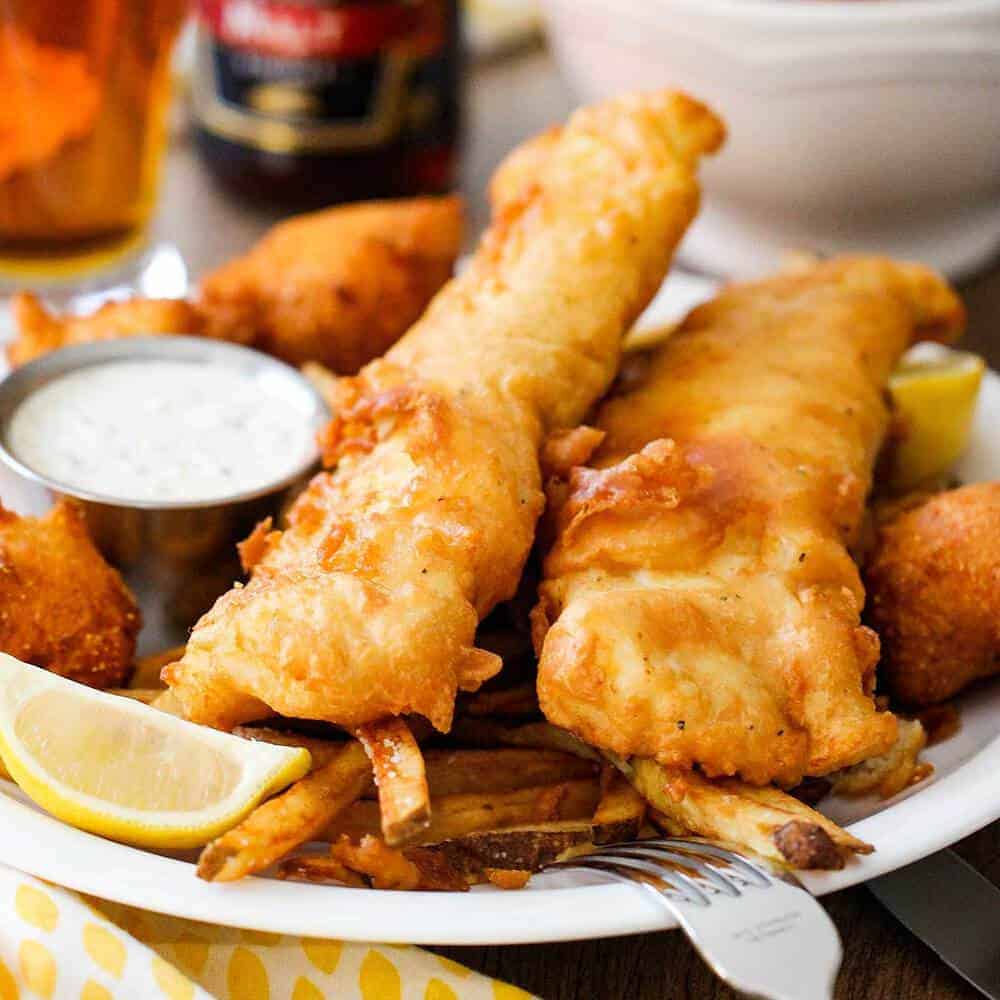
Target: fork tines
{"x": 692, "y": 870}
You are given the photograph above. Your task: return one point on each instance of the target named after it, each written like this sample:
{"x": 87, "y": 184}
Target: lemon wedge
{"x": 116, "y": 767}
{"x": 935, "y": 391}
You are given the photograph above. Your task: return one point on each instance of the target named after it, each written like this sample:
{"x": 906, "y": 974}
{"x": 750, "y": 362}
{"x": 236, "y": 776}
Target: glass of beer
{"x": 84, "y": 92}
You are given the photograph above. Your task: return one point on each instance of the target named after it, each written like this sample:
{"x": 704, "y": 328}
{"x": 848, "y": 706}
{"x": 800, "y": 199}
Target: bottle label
{"x": 293, "y": 77}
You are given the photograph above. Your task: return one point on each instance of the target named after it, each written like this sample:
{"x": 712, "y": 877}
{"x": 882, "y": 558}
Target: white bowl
{"x": 853, "y": 125}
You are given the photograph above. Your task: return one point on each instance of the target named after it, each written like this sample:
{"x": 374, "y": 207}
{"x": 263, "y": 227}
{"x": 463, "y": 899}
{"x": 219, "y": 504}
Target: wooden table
{"x": 510, "y": 100}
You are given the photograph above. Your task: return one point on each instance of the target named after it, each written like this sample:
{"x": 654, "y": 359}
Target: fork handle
{"x": 777, "y": 943}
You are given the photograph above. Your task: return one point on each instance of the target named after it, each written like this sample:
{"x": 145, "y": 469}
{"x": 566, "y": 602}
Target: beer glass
{"x": 84, "y": 91}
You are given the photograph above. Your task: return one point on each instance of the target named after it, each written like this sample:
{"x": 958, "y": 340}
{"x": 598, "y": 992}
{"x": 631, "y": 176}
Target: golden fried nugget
{"x": 340, "y": 286}
{"x": 40, "y": 331}
{"x": 933, "y": 583}
{"x": 62, "y": 607}
{"x": 367, "y": 605}
{"x": 336, "y": 287}
{"x": 700, "y": 606}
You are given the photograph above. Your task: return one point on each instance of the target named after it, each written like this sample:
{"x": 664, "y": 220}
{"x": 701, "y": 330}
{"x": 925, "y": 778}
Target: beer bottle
{"x": 309, "y": 102}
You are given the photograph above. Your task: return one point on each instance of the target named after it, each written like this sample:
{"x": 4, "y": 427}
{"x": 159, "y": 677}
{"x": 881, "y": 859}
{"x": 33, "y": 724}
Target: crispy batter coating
{"x": 933, "y": 583}
{"x": 367, "y": 605}
{"x": 337, "y": 287}
{"x": 40, "y": 331}
{"x": 700, "y": 606}
{"x": 62, "y": 607}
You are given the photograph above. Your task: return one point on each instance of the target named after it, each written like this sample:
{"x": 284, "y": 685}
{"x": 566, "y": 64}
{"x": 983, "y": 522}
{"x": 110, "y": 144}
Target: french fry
{"x": 765, "y": 820}
{"x": 320, "y": 868}
{"x": 503, "y": 857}
{"x": 520, "y": 700}
{"x": 519, "y": 848}
{"x": 147, "y": 668}
{"x": 455, "y": 816}
{"x": 891, "y": 772}
{"x": 620, "y": 811}
{"x": 455, "y": 772}
{"x": 398, "y": 765}
{"x": 285, "y": 822}
{"x": 387, "y": 867}
{"x": 536, "y": 735}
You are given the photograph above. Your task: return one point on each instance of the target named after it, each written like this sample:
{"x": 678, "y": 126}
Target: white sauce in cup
{"x": 157, "y": 430}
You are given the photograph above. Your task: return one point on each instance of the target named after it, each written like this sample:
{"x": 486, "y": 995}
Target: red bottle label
{"x": 295, "y": 31}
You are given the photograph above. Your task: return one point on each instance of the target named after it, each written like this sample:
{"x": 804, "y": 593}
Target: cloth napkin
{"x": 58, "y": 945}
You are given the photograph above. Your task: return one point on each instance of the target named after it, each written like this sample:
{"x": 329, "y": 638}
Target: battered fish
{"x": 62, "y": 607}
{"x": 367, "y": 605}
{"x": 336, "y": 287}
{"x": 700, "y": 605}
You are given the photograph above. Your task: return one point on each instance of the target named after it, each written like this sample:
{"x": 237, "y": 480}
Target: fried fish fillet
{"x": 700, "y": 605}
{"x": 62, "y": 607}
{"x": 933, "y": 583}
{"x": 367, "y": 605}
{"x": 337, "y": 287}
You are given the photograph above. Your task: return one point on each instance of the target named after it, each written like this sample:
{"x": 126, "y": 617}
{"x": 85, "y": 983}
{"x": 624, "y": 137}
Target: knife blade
{"x": 954, "y": 910}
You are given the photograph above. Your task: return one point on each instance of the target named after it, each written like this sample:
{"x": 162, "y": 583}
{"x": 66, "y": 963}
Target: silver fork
{"x": 757, "y": 928}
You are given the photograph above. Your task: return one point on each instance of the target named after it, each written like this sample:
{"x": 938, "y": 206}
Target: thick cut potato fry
{"x": 536, "y": 735}
{"x": 457, "y": 815}
{"x": 398, "y": 766}
{"x": 520, "y": 700}
{"x": 392, "y": 868}
{"x": 455, "y": 772}
{"x": 321, "y": 868}
{"x": 765, "y": 820}
{"x": 285, "y": 822}
{"x": 890, "y": 772}
{"x": 620, "y": 811}
{"x": 506, "y": 769}
{"x": 503, "y": 857}
{"x": 518, "y": 848}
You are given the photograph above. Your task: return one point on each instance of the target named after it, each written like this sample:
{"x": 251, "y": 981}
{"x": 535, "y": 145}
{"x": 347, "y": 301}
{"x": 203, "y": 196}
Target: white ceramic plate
{"x": 962, "y": 797}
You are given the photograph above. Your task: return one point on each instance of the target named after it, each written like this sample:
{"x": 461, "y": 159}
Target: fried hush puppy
{"x": 62, "y": 607}
{"x": 933, "y": 580}
{"x": 337, "y": 287}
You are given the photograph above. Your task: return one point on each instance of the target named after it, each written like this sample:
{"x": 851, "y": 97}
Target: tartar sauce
{"x": 159, "y": 430}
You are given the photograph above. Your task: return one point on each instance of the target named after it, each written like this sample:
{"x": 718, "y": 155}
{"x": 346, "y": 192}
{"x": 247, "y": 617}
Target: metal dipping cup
{"x": 176, "y": 556}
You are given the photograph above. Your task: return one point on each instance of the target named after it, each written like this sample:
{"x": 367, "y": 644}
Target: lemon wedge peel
{"x": 263, "y": 768}
{"x": 935, "y": 391}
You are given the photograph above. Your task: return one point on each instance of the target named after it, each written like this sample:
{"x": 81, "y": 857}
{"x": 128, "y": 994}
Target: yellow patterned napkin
{"x": 57, "y": 945}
